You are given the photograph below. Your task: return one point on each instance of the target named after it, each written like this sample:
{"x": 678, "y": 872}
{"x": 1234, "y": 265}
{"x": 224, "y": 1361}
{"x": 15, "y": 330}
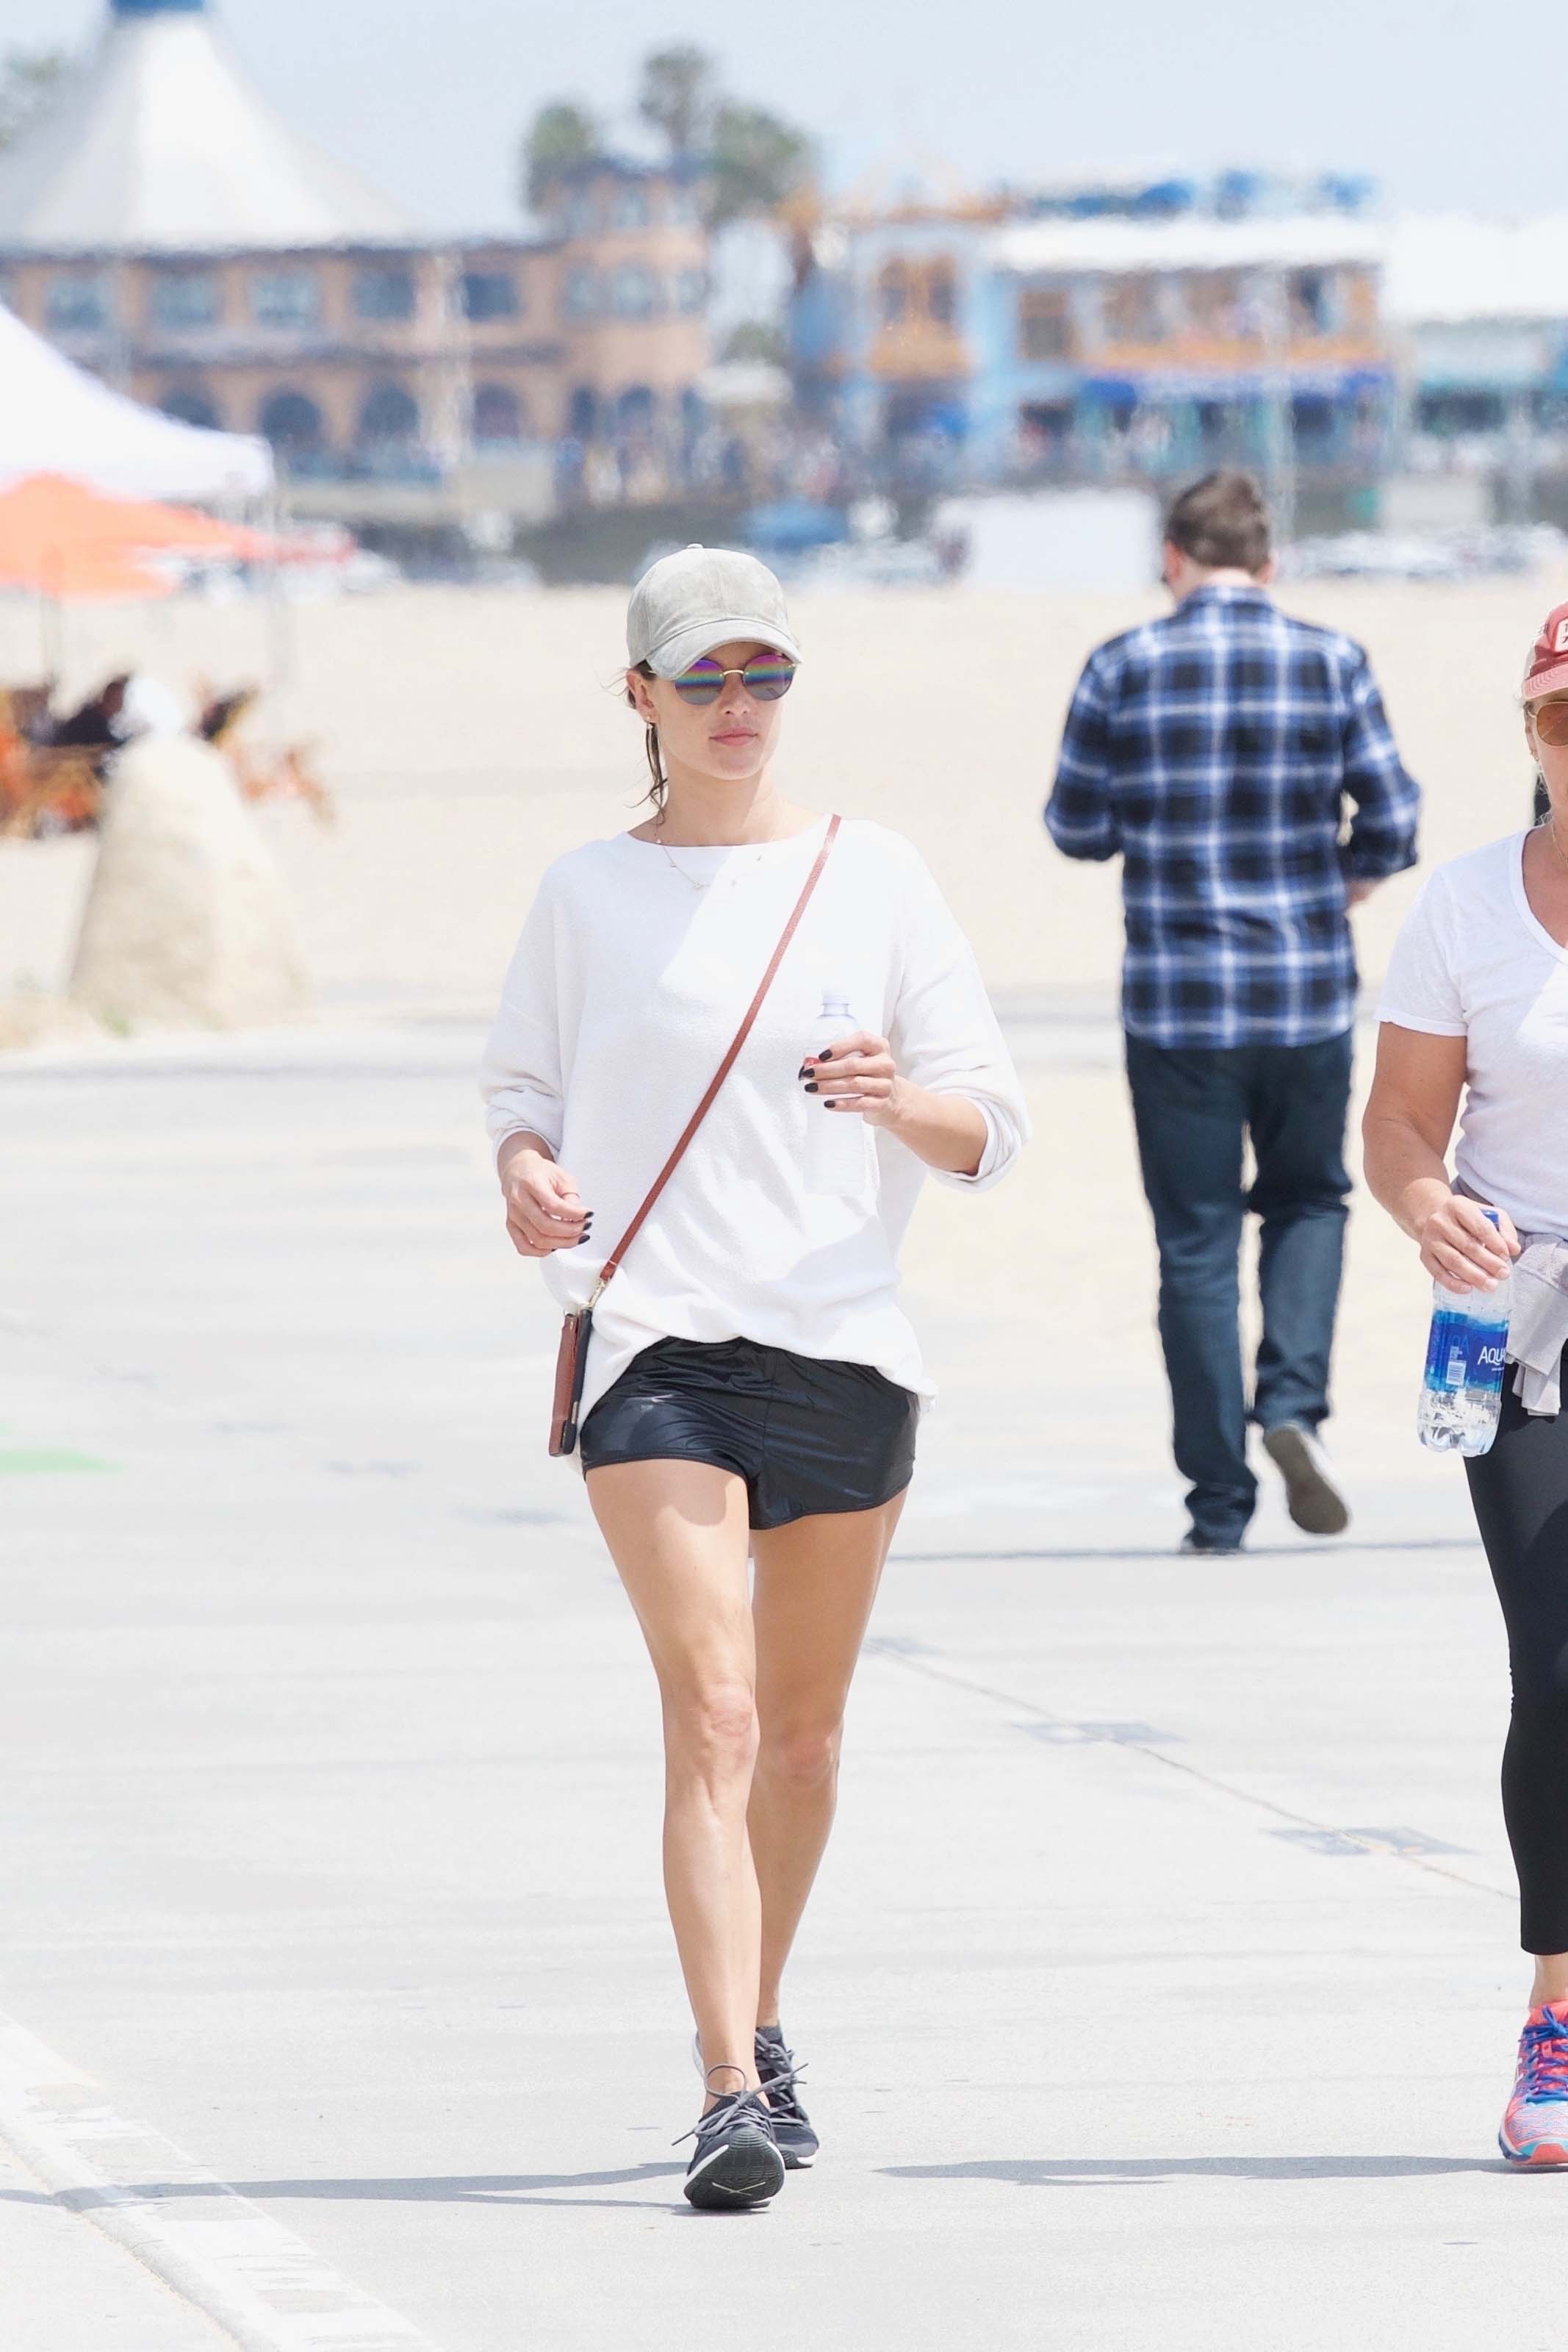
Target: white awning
{"x": 56, "y": 419}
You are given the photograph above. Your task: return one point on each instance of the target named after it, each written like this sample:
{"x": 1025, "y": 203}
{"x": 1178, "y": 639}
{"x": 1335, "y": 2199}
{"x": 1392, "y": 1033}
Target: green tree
{"x": 30, "y": 81}
{"x": 679, "y": 99}
{"x": 757, "y": 160}
{"x": 562, "y": 134}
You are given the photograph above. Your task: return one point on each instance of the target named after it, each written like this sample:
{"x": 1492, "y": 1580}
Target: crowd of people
{"x": 737, "y": 1374}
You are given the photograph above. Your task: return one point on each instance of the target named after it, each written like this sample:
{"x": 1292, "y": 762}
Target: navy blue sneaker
{"x": 779, "y": 2074}
{"x": 735, "y": 2165}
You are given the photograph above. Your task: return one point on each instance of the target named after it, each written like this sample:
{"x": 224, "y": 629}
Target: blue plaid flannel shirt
{"x": 1213, "y": 750}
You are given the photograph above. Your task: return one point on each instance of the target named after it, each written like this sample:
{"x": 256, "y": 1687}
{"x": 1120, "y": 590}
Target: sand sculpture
{"x": 186, "y": 919}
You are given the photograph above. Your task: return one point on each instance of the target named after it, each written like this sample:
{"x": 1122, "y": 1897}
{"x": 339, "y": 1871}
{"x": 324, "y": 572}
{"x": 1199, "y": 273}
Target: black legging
{"x": 1520, "y": 1494}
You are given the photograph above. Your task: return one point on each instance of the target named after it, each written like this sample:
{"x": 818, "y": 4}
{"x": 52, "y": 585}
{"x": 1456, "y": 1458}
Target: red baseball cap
{"x": 1547, "y": 668}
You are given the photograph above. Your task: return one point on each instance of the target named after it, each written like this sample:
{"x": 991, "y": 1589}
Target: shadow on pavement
{"x": 1168, "y": 1551}
{"x": 456, "y": 2188}
{"x": 1096, "y": 2172}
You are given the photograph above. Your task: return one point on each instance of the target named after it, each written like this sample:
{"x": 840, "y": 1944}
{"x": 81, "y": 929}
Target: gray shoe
{"x": 735, "y": 2165}
{"x": 798, "y": 2143}
{"x": 1313, "y": 1493}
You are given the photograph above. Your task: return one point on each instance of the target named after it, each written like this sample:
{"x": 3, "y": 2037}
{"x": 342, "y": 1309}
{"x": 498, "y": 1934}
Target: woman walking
{"x": 750, "y": 1385}
{"x": 1476, "y": 1006}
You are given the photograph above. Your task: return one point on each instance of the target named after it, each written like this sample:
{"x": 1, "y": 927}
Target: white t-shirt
{"x": 1472, "y": 961}
{"x": 627, "y": 988}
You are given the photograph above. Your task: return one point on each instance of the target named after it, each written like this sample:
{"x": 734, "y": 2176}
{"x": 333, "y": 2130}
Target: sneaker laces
{"x": 1544, "y": 2058}
{"x": 779, "y": 2087}
{"x": 729, "y": 2108}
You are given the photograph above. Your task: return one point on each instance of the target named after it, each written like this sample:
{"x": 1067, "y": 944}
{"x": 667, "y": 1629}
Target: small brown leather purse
{"x": 571, "y": 1361}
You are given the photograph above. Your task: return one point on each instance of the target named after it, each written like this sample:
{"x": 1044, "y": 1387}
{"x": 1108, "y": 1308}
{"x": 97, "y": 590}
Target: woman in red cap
{"x": 1476, "y": 1006}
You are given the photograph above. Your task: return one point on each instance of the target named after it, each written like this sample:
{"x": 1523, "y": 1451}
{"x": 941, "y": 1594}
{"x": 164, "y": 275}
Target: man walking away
{"x": 1213, "y": 751}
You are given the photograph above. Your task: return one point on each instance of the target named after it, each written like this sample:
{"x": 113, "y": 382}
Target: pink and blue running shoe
{"x": 1535, "y": 2126}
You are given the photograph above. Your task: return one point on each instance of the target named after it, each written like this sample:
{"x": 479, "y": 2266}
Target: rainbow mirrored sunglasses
{"x": 766, "y": 678}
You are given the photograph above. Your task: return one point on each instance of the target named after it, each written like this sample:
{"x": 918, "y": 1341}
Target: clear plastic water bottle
{"x": 837, "y": 1141}
{"x": 1467, "y": 1354}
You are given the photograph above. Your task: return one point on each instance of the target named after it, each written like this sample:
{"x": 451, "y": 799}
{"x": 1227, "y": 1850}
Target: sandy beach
{"x": 469, "y": 737}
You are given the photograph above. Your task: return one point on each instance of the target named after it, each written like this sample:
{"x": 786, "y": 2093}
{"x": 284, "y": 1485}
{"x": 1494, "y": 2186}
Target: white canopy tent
{"x": 160, "y": 145}
{"x": 56, "y": 419}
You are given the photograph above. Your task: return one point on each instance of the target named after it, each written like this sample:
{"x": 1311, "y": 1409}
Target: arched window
{"x": 498, "y": 414}
{"x": 389, "y": 417}
{"x": 941, "y": 293}
{"x": 582, "y": 415}
{"x": 691, "y": 290}
{"x": 630, "y": 207}
{"x": 634, "y": 291}
{"x": 893, "y": 294}
{"x": 292, "y": 423}
{"x": 634, "y": 413}
{"x": 579, "y": 294}
{"x": 188, "y": 406}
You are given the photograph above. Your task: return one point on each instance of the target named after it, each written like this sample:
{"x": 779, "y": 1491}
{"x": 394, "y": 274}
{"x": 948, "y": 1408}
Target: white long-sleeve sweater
{"x": 627, "y": 987}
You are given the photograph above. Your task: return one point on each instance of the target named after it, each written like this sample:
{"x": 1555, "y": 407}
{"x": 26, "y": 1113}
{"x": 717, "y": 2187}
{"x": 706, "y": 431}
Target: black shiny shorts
{"x": 807, "y": 1436}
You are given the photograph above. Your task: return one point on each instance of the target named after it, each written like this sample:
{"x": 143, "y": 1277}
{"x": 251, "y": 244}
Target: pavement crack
{"x": 894, "y": 1654}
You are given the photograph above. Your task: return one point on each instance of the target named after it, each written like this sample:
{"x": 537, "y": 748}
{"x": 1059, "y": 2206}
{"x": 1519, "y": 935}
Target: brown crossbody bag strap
{"x": 572, "y": 1363}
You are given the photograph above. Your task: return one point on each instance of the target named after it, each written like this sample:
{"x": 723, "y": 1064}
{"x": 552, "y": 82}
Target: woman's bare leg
{"x": 677, "y": 1533}
{"x": 816, "y": 1581}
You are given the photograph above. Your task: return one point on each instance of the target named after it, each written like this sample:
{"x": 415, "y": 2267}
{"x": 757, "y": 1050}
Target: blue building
{"x": 980, "y": 344}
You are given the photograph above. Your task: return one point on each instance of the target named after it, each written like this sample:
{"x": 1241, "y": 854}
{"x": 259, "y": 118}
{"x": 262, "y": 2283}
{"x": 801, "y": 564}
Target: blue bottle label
{"x": 1463, "y": 1353}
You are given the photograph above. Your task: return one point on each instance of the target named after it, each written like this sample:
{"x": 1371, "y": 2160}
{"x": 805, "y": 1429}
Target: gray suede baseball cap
{"x": 687, "y": 603}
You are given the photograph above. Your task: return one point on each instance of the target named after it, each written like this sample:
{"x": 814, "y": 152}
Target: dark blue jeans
{"x": 1194, "y": 1108}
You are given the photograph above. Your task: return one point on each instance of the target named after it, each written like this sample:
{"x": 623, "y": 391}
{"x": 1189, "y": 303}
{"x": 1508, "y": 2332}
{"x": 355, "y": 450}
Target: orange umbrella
{"x": 59, "y": 537}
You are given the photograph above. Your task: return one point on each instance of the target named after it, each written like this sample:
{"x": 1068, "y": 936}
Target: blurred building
{"x": 1481, "y": 312}
{"x": 164, "y": 228}
{"x": 1025, "y": 341}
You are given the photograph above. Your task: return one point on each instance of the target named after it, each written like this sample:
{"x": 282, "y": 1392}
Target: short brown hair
{"x": 1222, "y": 522}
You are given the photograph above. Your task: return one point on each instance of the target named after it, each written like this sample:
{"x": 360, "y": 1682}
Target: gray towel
{"x": 1537, "y": 1318}
{"x": 1538, "y": 1322}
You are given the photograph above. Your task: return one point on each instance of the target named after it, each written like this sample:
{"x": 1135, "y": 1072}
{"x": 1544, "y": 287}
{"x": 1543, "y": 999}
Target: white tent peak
{"x": 160, "y": 146}
{"x": 56, "y": 419}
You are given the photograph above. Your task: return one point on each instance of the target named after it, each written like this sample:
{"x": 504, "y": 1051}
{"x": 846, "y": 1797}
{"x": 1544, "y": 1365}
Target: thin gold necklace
{"x": 730, "y": 871}
{"x": 689, "y": 878}
{"x": 1557, "y": 846}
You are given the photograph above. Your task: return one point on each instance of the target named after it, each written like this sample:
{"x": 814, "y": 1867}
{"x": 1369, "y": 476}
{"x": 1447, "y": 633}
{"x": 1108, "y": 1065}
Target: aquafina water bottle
{"x": 1467, "y": 1354}
{"x": 836, "y": 1142}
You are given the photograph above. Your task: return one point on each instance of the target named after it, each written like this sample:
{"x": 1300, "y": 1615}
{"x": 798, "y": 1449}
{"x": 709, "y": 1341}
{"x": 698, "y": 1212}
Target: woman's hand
{"x": 544, "y": 1213}
{"x": 1461, "y": 1248}
{"x": 856, "y": 1074}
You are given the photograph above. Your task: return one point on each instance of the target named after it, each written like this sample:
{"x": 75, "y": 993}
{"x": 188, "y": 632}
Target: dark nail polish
{"x": 824, "y": 1057}
{"x": 812, "y": 1088}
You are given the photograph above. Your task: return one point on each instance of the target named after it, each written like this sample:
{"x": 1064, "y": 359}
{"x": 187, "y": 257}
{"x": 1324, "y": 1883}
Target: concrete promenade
{"x": 1162, "y": 1985}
